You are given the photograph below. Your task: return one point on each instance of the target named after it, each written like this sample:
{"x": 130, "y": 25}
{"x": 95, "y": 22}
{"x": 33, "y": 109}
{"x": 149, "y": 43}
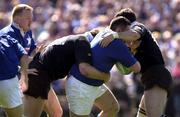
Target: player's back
{"x": 59, "y": 56}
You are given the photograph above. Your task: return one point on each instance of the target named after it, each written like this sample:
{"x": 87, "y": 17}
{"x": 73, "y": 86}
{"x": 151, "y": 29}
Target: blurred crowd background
{"x": 56, "y": 18}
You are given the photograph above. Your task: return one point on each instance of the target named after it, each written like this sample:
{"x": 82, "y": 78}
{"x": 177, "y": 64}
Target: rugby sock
{"x": 99, "y": 115}
{"x": 141, "y": 113}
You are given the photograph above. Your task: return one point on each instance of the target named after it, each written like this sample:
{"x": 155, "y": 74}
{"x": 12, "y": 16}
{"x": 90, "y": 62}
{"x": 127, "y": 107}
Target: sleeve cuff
{"x": 115, "y": 35}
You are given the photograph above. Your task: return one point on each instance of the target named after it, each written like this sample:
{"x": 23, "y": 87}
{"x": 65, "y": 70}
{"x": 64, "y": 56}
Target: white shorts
{"x": 81, "y": 96}
{"x": 10, "y": 94}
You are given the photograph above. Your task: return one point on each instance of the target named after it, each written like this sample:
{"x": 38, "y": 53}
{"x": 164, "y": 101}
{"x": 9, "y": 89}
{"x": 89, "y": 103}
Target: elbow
{"x": 134, "y": 35}
{"x": 136, "y": 68}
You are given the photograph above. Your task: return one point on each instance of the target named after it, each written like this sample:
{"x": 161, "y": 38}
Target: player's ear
{"x": 95, "y": 31}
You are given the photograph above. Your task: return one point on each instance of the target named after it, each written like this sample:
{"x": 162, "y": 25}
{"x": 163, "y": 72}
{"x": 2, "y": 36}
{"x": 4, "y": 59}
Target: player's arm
{"x": 128, "y": 35}
{"x": 24, "y": 73}
{"x": 116, "y": 50}
{"x": 36, "y": 50}
{"x": 23, "y": 57}
{"x": 135, "y": 67}
{"x": 93, "y": 73}
{"x": 84, "y": 59}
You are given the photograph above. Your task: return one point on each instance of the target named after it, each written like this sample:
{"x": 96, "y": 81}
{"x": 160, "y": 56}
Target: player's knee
{"x": 61, "y": 113}
{"x": 115, "y": 107}
{"x": 58, "y": 113}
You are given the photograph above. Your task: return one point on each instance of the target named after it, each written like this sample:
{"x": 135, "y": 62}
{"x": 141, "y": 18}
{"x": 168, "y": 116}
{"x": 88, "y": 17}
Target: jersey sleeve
{"x": 140, "y": 29}
{"x": 119, "y": 52}
{"x": 88, "y": 36}
{"x": 20, "y": 51}
{"x": 83, "y": 51}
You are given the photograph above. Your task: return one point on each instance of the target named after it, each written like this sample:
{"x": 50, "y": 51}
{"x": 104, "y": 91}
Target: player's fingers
{"x": 102, "y": 44}
{"x": 33, "y": 71}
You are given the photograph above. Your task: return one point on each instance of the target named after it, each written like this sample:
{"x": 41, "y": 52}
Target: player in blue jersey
{"x": 82, "y": 92}
{"x": 19, "y": 29}
{"x": 11, "y": 54}
{"x": 155, "y": 77}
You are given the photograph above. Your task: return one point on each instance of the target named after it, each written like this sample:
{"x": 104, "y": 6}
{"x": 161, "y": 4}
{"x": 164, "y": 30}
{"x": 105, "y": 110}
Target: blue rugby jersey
{"x": 25, "y": 40}
{"x": 10, "y": 54}
{"x": 105, "y": 58}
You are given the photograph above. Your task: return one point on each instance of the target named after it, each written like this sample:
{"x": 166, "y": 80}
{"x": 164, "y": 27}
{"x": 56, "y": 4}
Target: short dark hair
{"x": 119, "y": 22}
{"x": 127, "y": 13}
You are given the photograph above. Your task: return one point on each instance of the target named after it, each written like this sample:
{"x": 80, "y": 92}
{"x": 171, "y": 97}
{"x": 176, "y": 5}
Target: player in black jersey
{"x": 155, "y": 77}
{"x": 55, "y": 62}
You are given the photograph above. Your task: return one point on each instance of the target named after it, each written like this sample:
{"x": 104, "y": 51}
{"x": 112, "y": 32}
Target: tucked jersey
{"x": 10, "y": 53}
{"x": 59, "y": 56}
{"x": 105, "y": 58}
{"x": 148, "y": 53}
{"x": 25, "y": 40}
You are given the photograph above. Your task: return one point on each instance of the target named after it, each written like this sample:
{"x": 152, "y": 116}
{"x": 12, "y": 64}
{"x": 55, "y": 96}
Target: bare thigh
{"x": 52, "y": 105}
{"x": 33, "y": 106}
{"x": 153, "y": 101}
{"x": 107, "y": 102}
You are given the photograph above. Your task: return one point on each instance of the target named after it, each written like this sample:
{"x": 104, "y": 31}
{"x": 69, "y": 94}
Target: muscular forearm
{"x": 93, "y": 73}
{"x": 136, "y": 67}
{"x": 129, "y": 35}
{"x": 24, "y": 75}
{"x": 24, "y": 65}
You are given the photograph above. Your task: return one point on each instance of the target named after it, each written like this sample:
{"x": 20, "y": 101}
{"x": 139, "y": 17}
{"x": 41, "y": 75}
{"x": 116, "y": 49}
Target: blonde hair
{"x": 18, "y": 9}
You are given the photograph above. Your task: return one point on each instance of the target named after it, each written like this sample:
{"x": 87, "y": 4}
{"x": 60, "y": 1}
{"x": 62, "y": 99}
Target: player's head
{"x": 22, "y": 15}
{"x": 119, "y": 24}
{"x": 127, "y": 13}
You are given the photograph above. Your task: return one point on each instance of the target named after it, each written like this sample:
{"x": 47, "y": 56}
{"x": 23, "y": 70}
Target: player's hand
{"x": 23, "y": 83}
{"x": 40, "y": 48}
{"x": 32, "y": 71}
{"x": 133, "y": 45}
{"x": 106, "y": 40}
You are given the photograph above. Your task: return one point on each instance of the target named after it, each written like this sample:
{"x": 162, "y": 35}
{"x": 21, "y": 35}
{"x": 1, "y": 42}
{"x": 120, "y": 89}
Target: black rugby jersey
{"x": 148, "y": 53}
{"x": 59, "y": 56}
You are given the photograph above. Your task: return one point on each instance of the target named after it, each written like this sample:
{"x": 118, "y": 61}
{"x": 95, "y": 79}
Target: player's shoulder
{"x": 138, "y": 24}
